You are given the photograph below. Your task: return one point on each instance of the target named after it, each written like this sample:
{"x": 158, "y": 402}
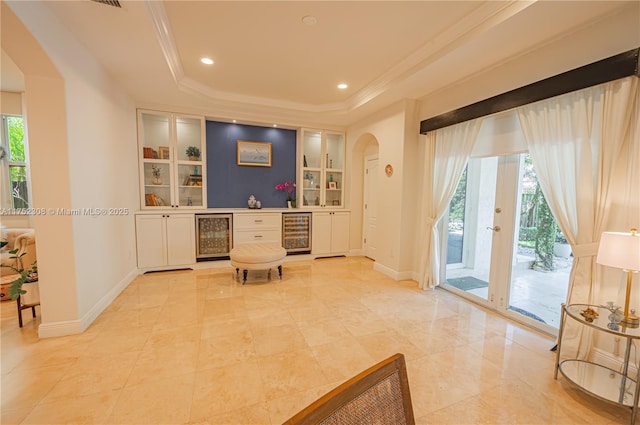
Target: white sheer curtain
{"x": 574, "y": 141}
{"x": 446, "y": 153}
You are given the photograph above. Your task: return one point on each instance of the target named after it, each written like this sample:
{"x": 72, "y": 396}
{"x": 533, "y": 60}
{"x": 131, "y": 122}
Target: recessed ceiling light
{"x": 234, "y": 121}
{"x": 206, "y": 61}
{"x": 275, "y": 125}
{"x": 309, "y": 20}
{"x": 342, "y": 86}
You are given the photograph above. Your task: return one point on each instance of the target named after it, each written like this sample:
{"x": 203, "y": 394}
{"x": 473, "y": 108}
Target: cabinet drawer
{"x": 253, "y": 236}
{"x": 256, "y": 221}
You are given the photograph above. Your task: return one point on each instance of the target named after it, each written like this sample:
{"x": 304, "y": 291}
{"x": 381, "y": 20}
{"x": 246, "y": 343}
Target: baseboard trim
{"x": 393, "y": 274}
{"x": 612, "y": 361}
{"x": 55, "y": 329}
{"x": 72, "y": 327}
{"x": 387, "y": 271}
{"x": 405, "y": 275}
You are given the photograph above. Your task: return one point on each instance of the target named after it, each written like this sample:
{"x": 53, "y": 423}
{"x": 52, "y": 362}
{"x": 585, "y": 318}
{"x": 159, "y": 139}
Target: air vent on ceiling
{"x": 114, "y": 3}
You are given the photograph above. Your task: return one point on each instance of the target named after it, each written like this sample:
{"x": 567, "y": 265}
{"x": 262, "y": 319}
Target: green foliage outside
{"x": 538, "y": 226}
{"x": 527, "y": 244}
{"x": 456, "y": 211}
{"x": 527, "y": 234}
{"x": 17, "y": 173}
{"x": 15, "y": 126}
{"x": 545, "y": 238}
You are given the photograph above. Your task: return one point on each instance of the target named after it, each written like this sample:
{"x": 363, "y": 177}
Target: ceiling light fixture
{"x": 309, "y": 20}
{"x": 234, "y": 121}
{"x": 342, "y": 86}
{"x": 206, "y": 61}
{"x": 275, "y": 125}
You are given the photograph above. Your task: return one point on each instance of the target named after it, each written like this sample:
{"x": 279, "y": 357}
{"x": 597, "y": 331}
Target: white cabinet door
{"x": 151, "y": 241}
{"x": 321, "y": 233}
{"x": 165, "y": 240}
{"x": 181, "y": 239}
{"x": 330, "y": 233}
{"x": 340, "y": 232}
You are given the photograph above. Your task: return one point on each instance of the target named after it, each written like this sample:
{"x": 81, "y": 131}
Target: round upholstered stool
{"x": 257, "y": 256}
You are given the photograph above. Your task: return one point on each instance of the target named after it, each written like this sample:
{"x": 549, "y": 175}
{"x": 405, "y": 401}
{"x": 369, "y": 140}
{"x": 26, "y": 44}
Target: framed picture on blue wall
{"x": 255, "y": 154}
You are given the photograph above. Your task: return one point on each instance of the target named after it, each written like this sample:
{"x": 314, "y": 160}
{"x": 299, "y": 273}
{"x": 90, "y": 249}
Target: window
{"x": 14, "y": 160}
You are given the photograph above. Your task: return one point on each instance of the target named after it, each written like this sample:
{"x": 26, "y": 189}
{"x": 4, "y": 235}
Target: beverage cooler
{"x": 213, "y": 236}
{"x": 296, "y": 233}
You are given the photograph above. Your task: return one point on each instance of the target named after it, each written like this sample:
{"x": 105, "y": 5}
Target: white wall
{"x": 388, "y": 127}
{"x": 411, "y": 184}
{"x": 10, "y": 103}
{"x": 101, "y": 153}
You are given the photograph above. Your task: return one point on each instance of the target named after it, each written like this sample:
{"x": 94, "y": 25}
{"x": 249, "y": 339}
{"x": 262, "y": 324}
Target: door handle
{"x": 495, "y": 229}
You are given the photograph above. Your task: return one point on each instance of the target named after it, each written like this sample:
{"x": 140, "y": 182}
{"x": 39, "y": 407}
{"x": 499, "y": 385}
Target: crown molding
{"x": 479, "y": 20}
{"x": 165, "y": 38}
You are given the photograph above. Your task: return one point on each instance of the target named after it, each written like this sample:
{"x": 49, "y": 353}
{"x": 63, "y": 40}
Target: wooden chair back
{"x": 379, "y": 395}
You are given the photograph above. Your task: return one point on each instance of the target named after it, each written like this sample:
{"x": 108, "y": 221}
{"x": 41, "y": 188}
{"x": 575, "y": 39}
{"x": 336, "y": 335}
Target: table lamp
{"x": 622, "y": 250}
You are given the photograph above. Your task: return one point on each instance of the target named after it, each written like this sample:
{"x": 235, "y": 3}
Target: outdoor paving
{"x": 539, "y": 293}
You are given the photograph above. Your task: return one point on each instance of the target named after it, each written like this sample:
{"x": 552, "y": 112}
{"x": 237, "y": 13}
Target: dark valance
{"x": 609, "y": 69}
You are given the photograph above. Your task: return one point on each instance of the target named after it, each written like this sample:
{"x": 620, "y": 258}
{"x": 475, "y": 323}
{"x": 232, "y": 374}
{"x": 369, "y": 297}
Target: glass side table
{"x": 594, "y": 379}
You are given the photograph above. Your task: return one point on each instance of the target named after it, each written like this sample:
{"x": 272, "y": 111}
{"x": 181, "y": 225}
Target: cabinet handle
{"x": 257, "y": 221}
{"x": 257, "y": 236}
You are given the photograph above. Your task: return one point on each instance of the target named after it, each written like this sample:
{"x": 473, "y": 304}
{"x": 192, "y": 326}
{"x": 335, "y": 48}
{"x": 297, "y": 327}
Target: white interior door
{"x": 370, "y": 207}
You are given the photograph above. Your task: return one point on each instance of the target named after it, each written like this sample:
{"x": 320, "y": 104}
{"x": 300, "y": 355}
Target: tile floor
{"x": 197, "y": 347}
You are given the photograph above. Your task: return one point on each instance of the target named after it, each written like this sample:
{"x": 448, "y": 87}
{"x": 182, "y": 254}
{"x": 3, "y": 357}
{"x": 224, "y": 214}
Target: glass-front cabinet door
{"x": 323, "y": 168}
{"x": 171, "y": 160}
{"x": 190, "y": 164}
{"x": 334, "y": 158}
{"x": 154, "y": 136}
{"x": 312, "y": 168}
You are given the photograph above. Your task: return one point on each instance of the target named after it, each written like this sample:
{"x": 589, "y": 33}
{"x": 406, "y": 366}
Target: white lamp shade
{"x": 620, "y": 250}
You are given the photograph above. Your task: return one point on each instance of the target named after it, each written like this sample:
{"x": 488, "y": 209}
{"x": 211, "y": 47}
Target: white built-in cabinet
{"x": 257, "y": 227}
{"x": 322, "y": 171}
{"x": 165, "y": 240}
{"x": 169, "y": 176}
{"x": 330, "y": 233}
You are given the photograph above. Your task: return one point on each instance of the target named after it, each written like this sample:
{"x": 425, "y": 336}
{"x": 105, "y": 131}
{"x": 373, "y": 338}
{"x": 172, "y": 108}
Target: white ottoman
{"x": 257, "y": 256}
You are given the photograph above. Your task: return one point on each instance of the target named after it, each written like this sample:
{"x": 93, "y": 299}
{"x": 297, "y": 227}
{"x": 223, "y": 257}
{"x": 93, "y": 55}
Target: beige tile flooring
{"x": 189, "y": 347}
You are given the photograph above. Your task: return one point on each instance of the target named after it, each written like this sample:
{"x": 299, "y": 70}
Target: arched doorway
{"x": 365, "y": 174}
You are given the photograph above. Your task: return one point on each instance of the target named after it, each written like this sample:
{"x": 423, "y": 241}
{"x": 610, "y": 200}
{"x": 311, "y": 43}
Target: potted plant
{"x": 290, "y": 189}
{"x": 156, "y": 175}
{"x": 561, "y": 247}
{"x": 193, "y": 153}
{"x": 23, "y": 276}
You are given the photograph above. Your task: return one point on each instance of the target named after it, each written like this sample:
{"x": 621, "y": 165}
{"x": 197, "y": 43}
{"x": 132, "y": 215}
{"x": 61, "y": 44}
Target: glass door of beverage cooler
{"x": 296, "y": 232}
{"x": 213, "y": 236}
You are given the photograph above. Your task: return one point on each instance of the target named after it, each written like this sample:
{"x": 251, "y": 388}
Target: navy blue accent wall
{"x": 228, "y": 184}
